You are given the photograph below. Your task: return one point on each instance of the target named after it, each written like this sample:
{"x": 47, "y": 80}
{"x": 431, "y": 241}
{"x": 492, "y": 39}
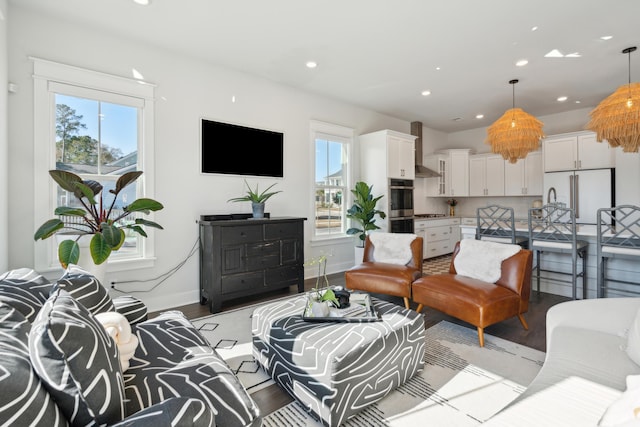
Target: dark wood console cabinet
{"x": 242, "y": 256}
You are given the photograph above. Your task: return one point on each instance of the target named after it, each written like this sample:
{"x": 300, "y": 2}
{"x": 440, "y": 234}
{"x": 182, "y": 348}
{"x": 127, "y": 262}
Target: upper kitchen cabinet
{"x": 453, "y": 167}
{"x": 388, "y": 152}
{"x": 576, "y": 151}
{"x": 486, "y": 175}
{"x": 524, "y": 178}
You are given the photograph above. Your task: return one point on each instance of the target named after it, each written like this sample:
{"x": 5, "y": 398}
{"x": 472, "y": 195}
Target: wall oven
{"x": 400, "y": 205}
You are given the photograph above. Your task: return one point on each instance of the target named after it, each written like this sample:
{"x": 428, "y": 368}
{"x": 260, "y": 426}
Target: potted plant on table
{"x": 105, "y": 224}
{"x": 364, "y": 212}
{"x": 321, "y": 296}
{"x": 256, "y": 198}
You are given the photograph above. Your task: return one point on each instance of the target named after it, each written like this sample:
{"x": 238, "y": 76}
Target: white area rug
{"x": 462, "y": 384}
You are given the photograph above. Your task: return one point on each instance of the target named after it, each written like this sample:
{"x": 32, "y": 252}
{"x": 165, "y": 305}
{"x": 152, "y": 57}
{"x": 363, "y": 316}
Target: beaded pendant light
{"x": 515, "y": 134}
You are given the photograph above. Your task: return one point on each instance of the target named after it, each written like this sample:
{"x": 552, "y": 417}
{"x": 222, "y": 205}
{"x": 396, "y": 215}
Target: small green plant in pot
{"x": 364, "y": 211}
{"x": 105, "y": 224}
{"x": 256, "y": 198}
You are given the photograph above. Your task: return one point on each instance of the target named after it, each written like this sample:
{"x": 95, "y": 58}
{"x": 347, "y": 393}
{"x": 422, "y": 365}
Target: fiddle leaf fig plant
{"x": 107, "y": 225}
{"x": 364, "y": 211}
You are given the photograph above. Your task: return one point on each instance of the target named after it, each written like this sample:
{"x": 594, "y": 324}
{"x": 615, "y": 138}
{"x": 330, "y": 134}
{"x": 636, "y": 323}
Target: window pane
{"x": 99, "y": 141}
{"x": 329, "y": 176}
{"x": 95, "y": 137}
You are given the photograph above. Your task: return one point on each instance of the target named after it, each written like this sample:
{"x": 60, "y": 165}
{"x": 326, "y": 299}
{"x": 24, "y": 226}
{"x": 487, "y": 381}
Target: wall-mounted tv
{"x": 239, "y": 150}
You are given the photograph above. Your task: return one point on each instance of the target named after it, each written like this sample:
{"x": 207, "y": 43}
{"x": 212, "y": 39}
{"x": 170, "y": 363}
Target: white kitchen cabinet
{"x": 389, "y": 153}
{"x": 437, "y": 186}
{"x": 420, "y": 230}
{"x": 486, "y": 175}
{"x": 524, "y": 178}
{"x": 453, "y": 166}
{"x": 576, "y": 151}
{"x": 440, "y": 236}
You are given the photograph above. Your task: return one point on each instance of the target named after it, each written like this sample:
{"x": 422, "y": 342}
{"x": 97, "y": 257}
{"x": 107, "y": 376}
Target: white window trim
{"x": 318, "y": 128}
{"x": 47, "y": 74}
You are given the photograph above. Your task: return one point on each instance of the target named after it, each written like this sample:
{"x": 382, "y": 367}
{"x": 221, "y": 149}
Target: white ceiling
{"x": 380, "y": 54}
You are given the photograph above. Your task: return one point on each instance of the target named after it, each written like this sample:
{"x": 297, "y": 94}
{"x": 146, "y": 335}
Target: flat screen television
{"x": 239, "y": 150}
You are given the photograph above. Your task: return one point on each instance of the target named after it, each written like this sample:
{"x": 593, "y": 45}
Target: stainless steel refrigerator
{"x": 586, "y": 191}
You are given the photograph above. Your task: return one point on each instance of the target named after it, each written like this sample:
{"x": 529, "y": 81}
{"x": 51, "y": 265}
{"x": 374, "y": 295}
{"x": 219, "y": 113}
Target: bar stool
{"x": 497, "y": 224}
{"x": 618, "y": 236}
{"x": 553, "y": 229}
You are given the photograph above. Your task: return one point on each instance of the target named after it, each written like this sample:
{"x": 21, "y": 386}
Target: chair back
{"x": 515, "y": 273}
{"x": 553, "y": 227}
{"x": 618, "y": 227}
{"x": 416, "y": 253}
{"x": 496, "y": 223}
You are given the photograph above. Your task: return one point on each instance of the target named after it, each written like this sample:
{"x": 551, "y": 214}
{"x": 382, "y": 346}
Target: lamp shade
{"x": 617, "y": 118}
{"x": 514, "y": 135}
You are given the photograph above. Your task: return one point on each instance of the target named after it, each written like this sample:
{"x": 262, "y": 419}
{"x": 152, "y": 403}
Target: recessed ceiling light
{"x": 606, "y": 37}
{"x": 437, "y": 68}
{"x": 425, "y": 93}
{"x": 534, "y": 28}
{"x": 479, "y": 116}
{"x": 555, "y": 53}
{"x": 573, "y": 55}
{"x": 522, "y": 63}
{"x": 562, "y": 98}
{"x": 311, "y": 64}
{"x": 143, "y": 2}
{"x": 577, "y": 102}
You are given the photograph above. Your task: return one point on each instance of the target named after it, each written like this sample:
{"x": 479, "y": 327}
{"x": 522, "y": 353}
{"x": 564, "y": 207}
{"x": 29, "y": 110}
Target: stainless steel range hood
{"x": 421, "y": 170}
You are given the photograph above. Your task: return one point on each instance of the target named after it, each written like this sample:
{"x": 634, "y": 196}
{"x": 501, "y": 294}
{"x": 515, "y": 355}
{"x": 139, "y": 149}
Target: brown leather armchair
{"x": 477, "y": 302}
{"x": 385, "y": 278}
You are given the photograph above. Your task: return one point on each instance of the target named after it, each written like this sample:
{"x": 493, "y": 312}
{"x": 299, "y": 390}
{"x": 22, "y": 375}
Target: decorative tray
{"x": 360, "y": 309}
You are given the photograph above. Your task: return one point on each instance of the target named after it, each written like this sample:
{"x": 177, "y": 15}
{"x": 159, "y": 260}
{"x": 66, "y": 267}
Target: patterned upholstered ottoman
{"x": 337, "y": 369}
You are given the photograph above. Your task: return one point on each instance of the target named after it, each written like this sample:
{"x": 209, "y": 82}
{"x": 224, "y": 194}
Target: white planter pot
{"x": 85, "y": 261}
{"x": 320, "y": 309}
{"x": 358, "y": 255}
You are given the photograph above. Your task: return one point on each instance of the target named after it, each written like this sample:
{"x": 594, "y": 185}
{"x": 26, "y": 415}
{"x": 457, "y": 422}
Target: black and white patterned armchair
{"x": 61, "y": 368}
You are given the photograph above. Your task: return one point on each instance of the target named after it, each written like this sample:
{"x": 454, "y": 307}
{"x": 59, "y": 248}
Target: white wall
{"x": 186, "y": 90}
{"x": 4, "y": 144}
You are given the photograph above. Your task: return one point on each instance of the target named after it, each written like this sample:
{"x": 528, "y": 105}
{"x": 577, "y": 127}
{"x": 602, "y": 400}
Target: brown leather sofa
{"x": 477, "y": 302}
{"x": 384, "y": 278}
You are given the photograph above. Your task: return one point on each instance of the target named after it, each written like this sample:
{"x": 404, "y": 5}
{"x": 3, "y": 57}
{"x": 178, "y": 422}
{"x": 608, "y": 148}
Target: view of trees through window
{"x": 330, "y": 187}
{"x": 96, "y": 140}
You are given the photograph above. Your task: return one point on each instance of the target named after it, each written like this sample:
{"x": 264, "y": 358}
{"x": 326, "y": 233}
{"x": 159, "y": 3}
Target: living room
{"x": 186, "y": 88}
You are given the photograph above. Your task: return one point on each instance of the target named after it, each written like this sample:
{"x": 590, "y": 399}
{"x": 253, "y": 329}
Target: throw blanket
{"x": 117, "y": 326}
{"x": 482, "y": 260}
{"x": 392, "y": 248}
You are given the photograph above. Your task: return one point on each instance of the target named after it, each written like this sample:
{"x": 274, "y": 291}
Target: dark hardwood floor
{"x": 273, "y": 397}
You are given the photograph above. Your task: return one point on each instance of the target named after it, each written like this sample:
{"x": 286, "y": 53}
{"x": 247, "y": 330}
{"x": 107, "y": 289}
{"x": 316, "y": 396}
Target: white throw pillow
{"x": 625, "y": 411}
{"x": 633, "y": 340}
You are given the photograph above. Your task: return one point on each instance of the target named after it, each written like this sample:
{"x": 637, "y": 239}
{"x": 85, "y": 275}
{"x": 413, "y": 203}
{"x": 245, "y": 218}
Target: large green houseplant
{"x": 105, "y": 224}
{"x": 364, "y": 211}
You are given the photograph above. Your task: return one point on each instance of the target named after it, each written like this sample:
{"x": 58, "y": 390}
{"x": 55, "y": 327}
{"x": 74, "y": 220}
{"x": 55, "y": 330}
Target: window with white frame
{"x": 332, "y": 146}
{"x": 97, "y": 126}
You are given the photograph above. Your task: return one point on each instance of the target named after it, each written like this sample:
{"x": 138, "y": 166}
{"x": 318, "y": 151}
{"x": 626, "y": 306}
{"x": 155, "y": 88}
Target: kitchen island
{"x": 620, "y": 269}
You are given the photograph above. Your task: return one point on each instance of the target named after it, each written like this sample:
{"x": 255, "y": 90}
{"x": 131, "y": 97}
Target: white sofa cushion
{"x": 626, "y": 409}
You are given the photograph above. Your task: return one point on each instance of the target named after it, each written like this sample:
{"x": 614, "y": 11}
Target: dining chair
{"x": 552, "y": 229}
{"x": 497, "y": 224}
{"x": 618, "y": 236}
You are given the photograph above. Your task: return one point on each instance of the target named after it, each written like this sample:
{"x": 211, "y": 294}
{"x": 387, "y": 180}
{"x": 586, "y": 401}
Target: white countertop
{"x": 586, "y": 230}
